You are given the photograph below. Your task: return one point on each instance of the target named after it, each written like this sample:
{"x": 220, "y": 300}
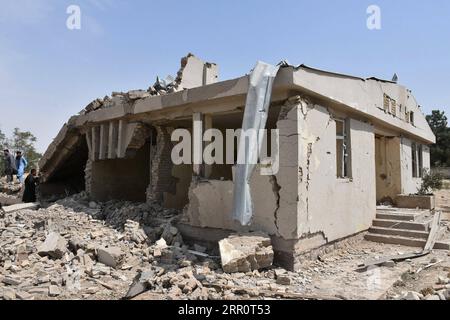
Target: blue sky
{"x": 48, "y": 72}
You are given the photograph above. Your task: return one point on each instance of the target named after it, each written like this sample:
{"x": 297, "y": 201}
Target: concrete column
{"x": 113, "y": 139}
{"x": 103, "y": 149}
{"x": 121, "y": 148}
{"x": 207, "y": 124}
{"x": 95, "y": 132}
{"x": 89, "y": 143}
{"x": 197, "y": 143}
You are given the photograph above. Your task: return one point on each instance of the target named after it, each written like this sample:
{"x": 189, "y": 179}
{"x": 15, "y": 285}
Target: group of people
{"x": 16, "y": 166}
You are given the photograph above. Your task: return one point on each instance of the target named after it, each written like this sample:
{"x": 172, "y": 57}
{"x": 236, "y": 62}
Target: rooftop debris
{"x": 193, "y": 73}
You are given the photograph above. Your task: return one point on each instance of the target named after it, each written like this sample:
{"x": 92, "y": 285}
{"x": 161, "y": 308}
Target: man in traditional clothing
{"x": 29, "y": 194}
{"x": 21, "y": 164}
{"x": 10, "y": 165}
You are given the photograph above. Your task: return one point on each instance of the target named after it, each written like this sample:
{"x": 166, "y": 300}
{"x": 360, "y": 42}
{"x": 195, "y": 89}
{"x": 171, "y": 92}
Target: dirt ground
{"x": 443, "y": 200}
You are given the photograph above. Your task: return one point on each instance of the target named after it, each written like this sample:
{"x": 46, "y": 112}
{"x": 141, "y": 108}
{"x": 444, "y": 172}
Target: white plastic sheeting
{"x": 255, "y": 119}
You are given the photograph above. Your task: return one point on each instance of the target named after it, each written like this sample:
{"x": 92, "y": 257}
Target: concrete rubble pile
{"x": 440, "y": 291}
{"x": 9, "y": 192}
{"x": 79, "y": 249}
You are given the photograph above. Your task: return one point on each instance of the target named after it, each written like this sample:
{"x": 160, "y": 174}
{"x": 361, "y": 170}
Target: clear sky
{"x": 48, "y": 72}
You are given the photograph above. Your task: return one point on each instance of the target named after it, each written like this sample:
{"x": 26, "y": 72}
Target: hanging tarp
{"x": 250, "y": 141}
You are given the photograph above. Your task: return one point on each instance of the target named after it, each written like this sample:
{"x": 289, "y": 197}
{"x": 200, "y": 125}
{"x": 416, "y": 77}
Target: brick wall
{"x": 161, "y": 165}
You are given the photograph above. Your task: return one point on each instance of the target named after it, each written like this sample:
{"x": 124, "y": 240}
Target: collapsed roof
{"x": 196, "y": 89}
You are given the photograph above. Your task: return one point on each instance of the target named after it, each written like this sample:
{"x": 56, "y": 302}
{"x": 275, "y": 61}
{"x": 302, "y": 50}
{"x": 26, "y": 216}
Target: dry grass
{"x": 446, "y": 184}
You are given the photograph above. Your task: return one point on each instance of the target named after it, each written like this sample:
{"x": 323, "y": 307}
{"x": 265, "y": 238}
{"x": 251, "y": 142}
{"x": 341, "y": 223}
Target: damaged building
{"x": 345, "y": 144}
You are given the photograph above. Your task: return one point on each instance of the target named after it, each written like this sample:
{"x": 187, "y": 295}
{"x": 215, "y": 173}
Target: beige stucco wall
{"x": 330, "y": 207}
{"x": 311, "y": 201}
{"x": 211, "y": 204}
{"x": 411, "y": 185}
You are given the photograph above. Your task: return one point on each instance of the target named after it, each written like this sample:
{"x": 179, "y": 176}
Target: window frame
{"x": 345, "y": 156}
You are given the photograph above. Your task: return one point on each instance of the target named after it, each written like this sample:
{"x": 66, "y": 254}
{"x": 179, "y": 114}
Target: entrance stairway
{"x": 407, "y": 227}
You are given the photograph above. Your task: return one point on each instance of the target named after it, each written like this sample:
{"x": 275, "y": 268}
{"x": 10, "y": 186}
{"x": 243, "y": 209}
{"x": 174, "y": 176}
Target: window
{"x": 417, "y": 160}
{"x": 419, "y": 150}
{"x": 393, "y": 107}
{"x": 411, "y": 117}
{"x": 342, "y": 149}
{"x": 386, "y": 103}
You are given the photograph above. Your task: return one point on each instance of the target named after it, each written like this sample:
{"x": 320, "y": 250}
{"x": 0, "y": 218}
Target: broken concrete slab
{"x": 20, "y": 206}
{"x": 110, "y": 256}
{"x": 244, "y": 253}
{"x": 54, "y": 246}
{"x": 138, "y": 94}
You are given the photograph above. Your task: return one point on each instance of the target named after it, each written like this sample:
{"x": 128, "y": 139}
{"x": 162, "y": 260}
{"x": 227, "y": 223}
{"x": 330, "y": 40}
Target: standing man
{"x": 21, "y": 164}
{"x": 10, "y": 165}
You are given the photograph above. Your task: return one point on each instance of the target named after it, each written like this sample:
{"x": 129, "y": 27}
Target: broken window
{"x": 342, "y": 149}
{"x": 386, "y": 103}
{"x": 394, "y": 107}
{"x": 411, "y": 117}
{"x": 417, "y": 160}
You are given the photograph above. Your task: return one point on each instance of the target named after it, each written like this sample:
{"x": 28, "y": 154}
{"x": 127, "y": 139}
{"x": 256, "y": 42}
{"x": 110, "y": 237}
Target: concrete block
{"x": 244, "y": 253}
{"x": 54, "y": 246}
{"x": 110, "y": 256}
{"x": 415, "y": 201}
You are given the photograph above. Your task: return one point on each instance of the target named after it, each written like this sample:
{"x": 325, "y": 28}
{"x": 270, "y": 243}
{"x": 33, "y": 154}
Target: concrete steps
{"x": 392, "y": 215}
{"x": 403, "y": 227}
{"x": 399, "y": 232}
{"x": 398, "y": 224}
{"x": 405, "y": 241}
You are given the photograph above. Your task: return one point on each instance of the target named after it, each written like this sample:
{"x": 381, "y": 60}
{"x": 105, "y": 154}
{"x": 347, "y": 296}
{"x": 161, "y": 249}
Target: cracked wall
{"x": 330, "y": 208}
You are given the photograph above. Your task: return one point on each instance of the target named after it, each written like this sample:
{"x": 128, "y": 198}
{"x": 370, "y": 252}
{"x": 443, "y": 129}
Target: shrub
{"x": 430, "y": 181}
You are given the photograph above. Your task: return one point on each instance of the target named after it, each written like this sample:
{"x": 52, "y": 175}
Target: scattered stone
{"x": 244, "y": 253}
{"x": 411, "y": 295}
{"x": 39, "y": 290}
{"x": 389, "y": 264}
{"x": 284, "y": 280}
{"x": 24, "y": 296}
{"x": 54, "y": 246}
{"x": 54, "y": 291}
{"x": 9, "y": 295}
{"x": 443, "y": 280}
{"x": 10, "y": 281}
{"x": 110, "y": 256}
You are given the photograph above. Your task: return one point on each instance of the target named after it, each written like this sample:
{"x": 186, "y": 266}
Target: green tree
{"x": 440, "y": 152}
{"x": 25, "y": 141}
